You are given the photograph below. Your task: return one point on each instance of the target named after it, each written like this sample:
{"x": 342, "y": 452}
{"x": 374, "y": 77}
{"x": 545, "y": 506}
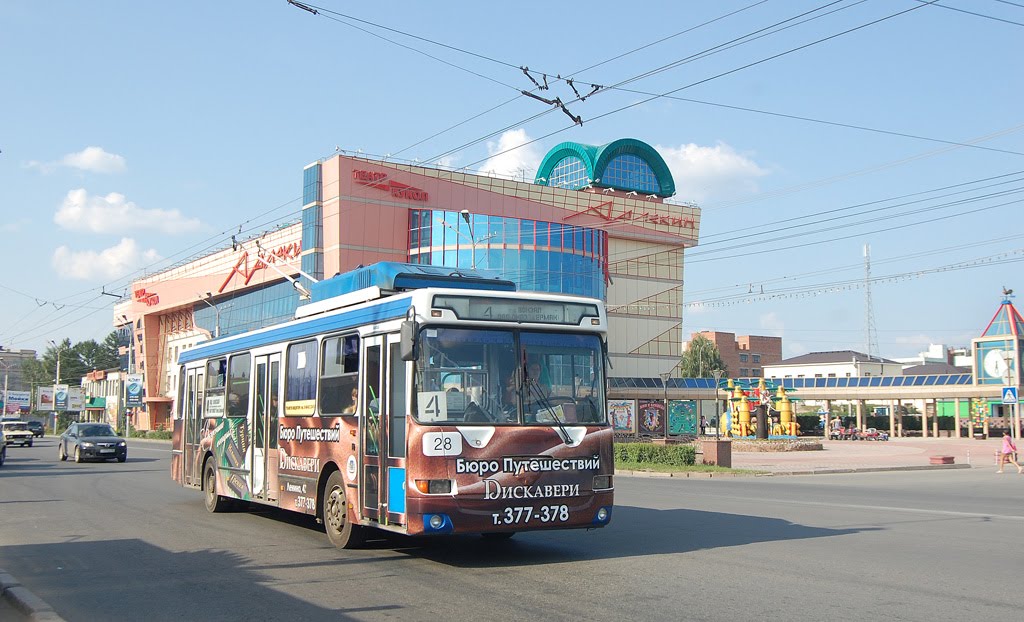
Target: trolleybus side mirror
{"x": 408, "y": 340}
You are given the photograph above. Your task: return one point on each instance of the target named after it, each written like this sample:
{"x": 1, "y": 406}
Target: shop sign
{"x": 379, "y": 180}
{"x": 147, "y": 298}
{"x": 604, "y": 212}
{"x": 246, "y": 269}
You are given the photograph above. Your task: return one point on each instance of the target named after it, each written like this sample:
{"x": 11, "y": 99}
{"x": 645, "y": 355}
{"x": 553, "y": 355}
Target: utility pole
{"x": 56, "y": 381}
{"x": 7, "y": 368}
{"x": 871, "y": 334}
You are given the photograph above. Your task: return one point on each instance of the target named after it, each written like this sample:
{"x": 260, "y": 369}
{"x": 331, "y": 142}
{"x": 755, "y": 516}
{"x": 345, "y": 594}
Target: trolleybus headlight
{"x": 604, "y": 514}
{"x": 602, "y": 482}
{"x": 434, "y": 486}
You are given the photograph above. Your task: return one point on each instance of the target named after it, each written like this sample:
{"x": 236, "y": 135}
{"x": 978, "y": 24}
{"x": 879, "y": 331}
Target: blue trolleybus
{"x": 412, "y": 399}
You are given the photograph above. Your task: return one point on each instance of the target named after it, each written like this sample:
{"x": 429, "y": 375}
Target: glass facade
{"x": 569, "y": 173}
{"x": 630, "y": 172}
{"x": 250, "y": 310}
{"x": 311, "y": 184}
{"x": 312, "y": 223}
{"x": 536, "y": 255}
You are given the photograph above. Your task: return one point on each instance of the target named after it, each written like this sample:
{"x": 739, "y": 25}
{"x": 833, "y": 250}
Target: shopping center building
{"x": 596, "y": 222}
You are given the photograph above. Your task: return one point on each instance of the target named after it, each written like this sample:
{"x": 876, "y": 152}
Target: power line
{"x": 935, "y": 3}
{"x": 595, "y": 65}
{"x": 822, "y": 121}
{"x": 714, "y": 77}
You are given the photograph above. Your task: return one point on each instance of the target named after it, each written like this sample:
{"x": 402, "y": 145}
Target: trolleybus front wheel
{"x": 334, "y": 509}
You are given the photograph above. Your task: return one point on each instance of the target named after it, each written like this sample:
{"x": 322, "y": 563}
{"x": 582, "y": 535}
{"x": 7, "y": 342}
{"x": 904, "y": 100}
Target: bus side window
{"x": 338, "y": 376}
{"x": 238, "y": 385}
{"x": 300, "y": 381}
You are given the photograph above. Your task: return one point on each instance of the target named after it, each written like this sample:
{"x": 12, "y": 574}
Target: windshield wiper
{"x": 534, "y": 388}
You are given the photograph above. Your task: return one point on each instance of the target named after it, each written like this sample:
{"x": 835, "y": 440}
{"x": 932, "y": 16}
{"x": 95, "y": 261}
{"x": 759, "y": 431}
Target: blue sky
{"x": 135, "y": 135}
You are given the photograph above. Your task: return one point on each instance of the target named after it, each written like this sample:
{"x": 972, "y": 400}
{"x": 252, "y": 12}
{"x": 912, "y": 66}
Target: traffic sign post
{"x": 1010, "y": 397}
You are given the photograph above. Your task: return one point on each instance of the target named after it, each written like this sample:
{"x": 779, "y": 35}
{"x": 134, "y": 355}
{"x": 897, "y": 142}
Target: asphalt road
{"x": 122, "y": 542}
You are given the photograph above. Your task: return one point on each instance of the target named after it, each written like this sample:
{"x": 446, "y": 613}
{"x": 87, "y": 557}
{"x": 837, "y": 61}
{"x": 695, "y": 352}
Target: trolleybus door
{"x": 192, "y": 414}
{"x": 373, "y": 427}
{"x": 383, "y": 430}
{"x": 265, "y": 416}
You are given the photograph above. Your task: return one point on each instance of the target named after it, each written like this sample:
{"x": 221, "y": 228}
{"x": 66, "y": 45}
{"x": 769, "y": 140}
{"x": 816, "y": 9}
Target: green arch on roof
{"x": 561, "y": 151}
{"x": 595, "y": 159}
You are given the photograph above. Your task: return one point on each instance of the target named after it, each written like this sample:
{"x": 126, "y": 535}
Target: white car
{"x": 16, "y": 432}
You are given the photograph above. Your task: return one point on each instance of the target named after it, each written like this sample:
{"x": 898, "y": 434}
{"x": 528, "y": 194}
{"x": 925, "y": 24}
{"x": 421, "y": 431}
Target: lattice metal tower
{"x": 871, "y": 334}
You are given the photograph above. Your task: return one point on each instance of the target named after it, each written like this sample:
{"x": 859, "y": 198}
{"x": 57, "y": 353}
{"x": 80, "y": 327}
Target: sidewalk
{"x": 897, "y": 453}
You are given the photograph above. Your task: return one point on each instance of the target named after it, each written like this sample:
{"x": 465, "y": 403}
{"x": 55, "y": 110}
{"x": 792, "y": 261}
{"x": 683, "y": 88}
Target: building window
{"x": 817, "y": 375}
{"x": 757, "y": 358}
{"x": 755, "y": 372}
{"x": 630, "y": 172}
{"x": 569, "y": 173}
{"x": 744, "y": 372}
{"x": 743, "y": 358}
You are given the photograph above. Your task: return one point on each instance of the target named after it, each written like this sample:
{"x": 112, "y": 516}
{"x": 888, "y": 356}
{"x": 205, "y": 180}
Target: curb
{"x": 754, "y": 472}
{"x": 25, "y": 601}
{"x": 149, "y": 441}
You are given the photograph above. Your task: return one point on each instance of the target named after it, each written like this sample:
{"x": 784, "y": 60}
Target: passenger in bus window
{"x": 351, "y": 408}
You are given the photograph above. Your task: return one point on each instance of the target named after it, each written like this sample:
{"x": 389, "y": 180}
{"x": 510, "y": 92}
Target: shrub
{"x": 159, "y": 434}
{"x": 649, "y": 453}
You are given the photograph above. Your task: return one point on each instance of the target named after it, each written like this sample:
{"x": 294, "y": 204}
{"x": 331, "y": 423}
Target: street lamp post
{"x": 717, "y": 375}
{"x": 216, "y": 313}
{"x": 471, "y": 238}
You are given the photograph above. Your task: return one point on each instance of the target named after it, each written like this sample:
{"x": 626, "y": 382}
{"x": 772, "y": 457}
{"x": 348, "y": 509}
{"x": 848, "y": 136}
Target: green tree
{"x": 75, "y": 361}
{"x": 94, "y": 355}
{"x": 701, "y": 358}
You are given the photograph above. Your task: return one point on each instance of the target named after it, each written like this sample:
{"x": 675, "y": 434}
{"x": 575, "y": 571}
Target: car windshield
{"x": 509, "y": 377}
{"x": 96, "y": 430}
{"x": 16, "y": 426}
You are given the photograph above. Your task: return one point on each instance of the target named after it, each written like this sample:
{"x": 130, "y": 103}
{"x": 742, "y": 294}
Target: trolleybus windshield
{"x": 467, "y": 376}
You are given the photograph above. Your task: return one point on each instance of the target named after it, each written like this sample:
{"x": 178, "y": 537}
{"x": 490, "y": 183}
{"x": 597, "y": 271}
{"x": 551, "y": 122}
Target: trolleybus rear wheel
{"x": 214, "y": 502}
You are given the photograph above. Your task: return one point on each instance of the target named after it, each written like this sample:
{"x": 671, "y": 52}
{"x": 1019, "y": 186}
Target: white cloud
{"x": 93, "y": 159}
{"x": 113, "y": 213}
{"x": 520, "y": 163}
{"x": 773, "y": 323}
{"x": 110, "y": 263}
{"x": 703, "y": 173}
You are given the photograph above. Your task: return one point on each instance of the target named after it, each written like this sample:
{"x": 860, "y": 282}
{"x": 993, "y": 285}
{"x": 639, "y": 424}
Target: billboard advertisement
{"x": 60, "y": 396}
{"x": 44, "y": 398}
{"x": 622, "y": 415}
{"x": 134, "y": 397}
{"x": 17, "y": 401}
{"x": 651, "y": 418}
{"x": 76, "y": 399}
{"x": 682, "y": 417}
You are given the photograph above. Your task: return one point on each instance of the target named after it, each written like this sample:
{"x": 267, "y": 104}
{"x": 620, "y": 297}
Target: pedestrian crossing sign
{"x": 1009, "y": 395}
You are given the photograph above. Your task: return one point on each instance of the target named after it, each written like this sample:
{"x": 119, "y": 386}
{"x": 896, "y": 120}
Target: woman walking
{"x": 1008, "y": 454}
